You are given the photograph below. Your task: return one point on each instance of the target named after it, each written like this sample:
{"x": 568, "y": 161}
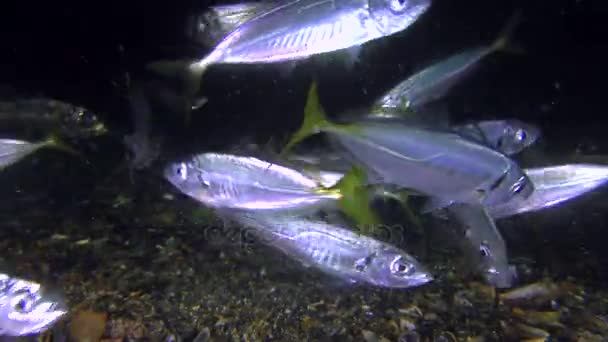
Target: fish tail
{"x": 504, "y": 40}
{"x": 404, "y": 199}
{"x": 54, "y": 141}
{"x": 314, "y": 121}
{"x": 355, "y": 198}
{"x": 190, "y": 75}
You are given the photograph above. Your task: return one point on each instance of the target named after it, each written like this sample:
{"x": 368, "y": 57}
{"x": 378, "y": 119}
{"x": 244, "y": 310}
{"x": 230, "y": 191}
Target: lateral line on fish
{"x": 399, "y": 156}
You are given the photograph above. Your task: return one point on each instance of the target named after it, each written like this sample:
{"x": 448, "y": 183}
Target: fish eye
{"x": 520, "y": 135}
{"x": 182, "y": 171}
{"x": 397, "y": 5}
{"x": 398, "y": 266}
{"x": 518, "y": 186}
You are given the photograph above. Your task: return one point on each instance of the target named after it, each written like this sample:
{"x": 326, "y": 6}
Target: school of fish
{"x": 314, "y": 207}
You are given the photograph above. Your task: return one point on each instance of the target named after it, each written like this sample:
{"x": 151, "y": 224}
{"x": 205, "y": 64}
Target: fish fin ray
{"x": 55, "y": 142}
{"x": 314, "y": 119}
{"x": 189, "y": 74}
{"x": 355, "y": 198}
{"x": 504, "y": 40}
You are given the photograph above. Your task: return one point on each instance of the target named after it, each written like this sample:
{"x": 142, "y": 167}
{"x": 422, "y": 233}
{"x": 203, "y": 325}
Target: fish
{"x": 298, "y": 29}
{"x": 212, "y": 25}
{"x": 13, "y": 150}
{"x": 434, "y": 82}
{"x": 507, "y": 136}
{"x": 510, "y": 136}
{"x": 554, "y": 185}
{"x": 337, "y": 251}
{"x": 71, "y": 120}
{"x": 489, "y": 251}
{"x": 228, "y": 181}
{"x": 25, "y": 308}
{"x": 440, "y": 164}
{"x": 241, "y": 182}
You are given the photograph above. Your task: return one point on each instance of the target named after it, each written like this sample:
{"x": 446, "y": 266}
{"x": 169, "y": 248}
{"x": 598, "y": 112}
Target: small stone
{"x": 369, "y": 336}
{"x": 411, "y": 336}
{"x": 431, "y": 316}
{"x": 406, "y": 325}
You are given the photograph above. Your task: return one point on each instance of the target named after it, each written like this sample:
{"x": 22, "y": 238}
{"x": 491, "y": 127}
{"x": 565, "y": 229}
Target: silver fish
{"x": 25, "y": 308}
{"x": 71, "y": 120}
{"x": 211, "y": 26}
{"x": 509, "y": 136}
{"x": 298, "y": 29}
{"x": 237, "y": 182}
{"x": 12, "y": 151}
{"x": 434, "y": 81}
{"x": 337, "y": 251}
{"x": 489, "y": 252}
{"x": 554, "y": 185}
{"x": 443, "y": 165}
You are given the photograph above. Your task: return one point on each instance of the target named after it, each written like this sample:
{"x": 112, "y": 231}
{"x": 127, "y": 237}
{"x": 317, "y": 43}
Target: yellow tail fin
{"x": 55, "y": 142}
{"x": 314, "y": 120}
{"x": 190, "y": 74}
{"x": 355, "y": 199}
{"x": 503, "y": 41}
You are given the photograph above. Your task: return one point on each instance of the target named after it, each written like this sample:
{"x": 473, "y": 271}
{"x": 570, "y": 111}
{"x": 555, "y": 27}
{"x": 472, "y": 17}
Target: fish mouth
{"x": 422, "y": 279}
{"x": 416, "y": 280}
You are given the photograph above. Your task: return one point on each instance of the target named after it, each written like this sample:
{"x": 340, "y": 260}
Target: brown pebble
{"x": 88, "y": 326}
{"x": 369, "y": 336}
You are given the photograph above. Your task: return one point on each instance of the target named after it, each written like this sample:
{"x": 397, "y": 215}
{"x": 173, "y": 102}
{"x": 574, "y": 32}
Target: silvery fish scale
{"x": 436, "y": 163}
{"x": 229, "y": 181}
{"x": 335, "y": 250}
{"x": 301, "y": 28}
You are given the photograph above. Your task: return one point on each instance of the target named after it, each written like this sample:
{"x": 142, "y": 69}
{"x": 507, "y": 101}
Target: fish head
{"x": 189, "y": 179}
{"x": 498, "y": 274}
{"x": 482, "y": 243}
{"x": 25, "y": 308}
{"x": 392, "y": 16}
{"x": 79, "y": 121}
{"x": 393, "y": 268}
{"x": 516, "y": 136}
{"x": 513, "y": 186}
{"x": 489, "y": 257}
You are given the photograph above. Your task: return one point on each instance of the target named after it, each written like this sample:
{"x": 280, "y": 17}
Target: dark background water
{"x": 81, "y": 51}
{"x": 76, "y": 50}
